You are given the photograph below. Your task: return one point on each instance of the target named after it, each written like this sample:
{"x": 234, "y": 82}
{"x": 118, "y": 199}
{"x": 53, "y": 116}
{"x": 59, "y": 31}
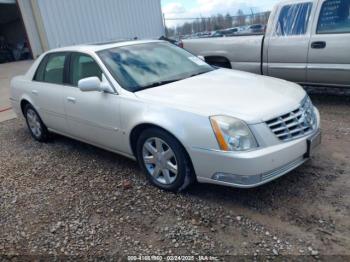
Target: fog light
{"x": 236, "y": 179}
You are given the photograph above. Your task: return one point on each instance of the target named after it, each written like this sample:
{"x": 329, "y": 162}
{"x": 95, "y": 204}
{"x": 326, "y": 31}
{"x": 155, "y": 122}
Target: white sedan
{"x": 180, "y": 118}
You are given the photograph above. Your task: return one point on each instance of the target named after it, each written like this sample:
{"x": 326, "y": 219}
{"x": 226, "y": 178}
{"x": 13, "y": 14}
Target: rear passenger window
{"x": 334, "y": 17}
{"x": 54, "y": 70}
{"x": 83, "y": 66}
{"x": 39, "y": 75}
{"x": 293, "y": 19}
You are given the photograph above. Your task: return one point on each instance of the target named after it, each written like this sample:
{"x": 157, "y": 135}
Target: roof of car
{"x": 95, "y": 47}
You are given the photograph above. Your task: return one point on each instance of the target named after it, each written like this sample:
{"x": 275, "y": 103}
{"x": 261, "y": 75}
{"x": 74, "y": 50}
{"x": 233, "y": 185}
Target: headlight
{"x": 307, "y": 101}
{"x": 232, "y": 134}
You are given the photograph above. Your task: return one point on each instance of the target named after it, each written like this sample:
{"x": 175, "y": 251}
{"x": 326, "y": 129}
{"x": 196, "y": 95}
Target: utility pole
{"x": 252, "y": 15}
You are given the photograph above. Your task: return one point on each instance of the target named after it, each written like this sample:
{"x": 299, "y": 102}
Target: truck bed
{"x": 245, "y": 51}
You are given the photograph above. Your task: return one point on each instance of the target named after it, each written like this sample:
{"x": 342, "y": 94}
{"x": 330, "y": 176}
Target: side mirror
{"x": 90, "y": 84}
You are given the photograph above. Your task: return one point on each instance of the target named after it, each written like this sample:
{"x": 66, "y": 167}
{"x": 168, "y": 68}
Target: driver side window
{"x": 83, "y": 66}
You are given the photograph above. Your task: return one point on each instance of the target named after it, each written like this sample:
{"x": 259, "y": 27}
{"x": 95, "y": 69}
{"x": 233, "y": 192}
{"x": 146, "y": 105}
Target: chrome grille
{"x": 295, "y": 124}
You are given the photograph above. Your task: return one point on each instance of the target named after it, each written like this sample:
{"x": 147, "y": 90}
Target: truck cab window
{"x": 293, "y": 19}
{"x": 334, "y": 17}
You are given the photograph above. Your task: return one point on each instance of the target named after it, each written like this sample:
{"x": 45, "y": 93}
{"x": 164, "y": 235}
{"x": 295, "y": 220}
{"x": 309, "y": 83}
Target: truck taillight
{"x": 181, "y": 44}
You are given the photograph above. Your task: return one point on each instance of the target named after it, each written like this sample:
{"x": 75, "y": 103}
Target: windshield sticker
{"x": 197, "y": 61}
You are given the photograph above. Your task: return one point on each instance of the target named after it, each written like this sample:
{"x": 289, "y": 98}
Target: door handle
{"x": 35, "y": 92}
{"x": 71, "y": 99}
{"x": 318, "y": 45}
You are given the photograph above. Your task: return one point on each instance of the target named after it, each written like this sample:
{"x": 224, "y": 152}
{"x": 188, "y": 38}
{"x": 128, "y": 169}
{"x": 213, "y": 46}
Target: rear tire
{"x": 164, "y": 160}
{"x": 35, "y": 125}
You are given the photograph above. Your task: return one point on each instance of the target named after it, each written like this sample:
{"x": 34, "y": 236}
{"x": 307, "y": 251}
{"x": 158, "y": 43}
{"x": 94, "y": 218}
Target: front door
{"x": 92, "y": 116}
{"x": 329, "y": 49}
{"x": 289, "y": 41}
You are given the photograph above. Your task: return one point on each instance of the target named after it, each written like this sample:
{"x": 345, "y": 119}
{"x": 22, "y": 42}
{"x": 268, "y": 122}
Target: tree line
{"x": 217, "y": 22}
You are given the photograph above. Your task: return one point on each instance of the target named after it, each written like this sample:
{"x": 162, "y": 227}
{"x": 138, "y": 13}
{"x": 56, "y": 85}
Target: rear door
{"x": 329, "y": 54}
{"x": 47, "y": 90}
{"x": 288, "y": 41}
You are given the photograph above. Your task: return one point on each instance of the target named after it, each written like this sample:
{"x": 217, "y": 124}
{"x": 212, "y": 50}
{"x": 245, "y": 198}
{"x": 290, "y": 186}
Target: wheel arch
{"x": 139, "y": 128}
{"x": 218, "y": 60}
{"x": 24, "y": 101}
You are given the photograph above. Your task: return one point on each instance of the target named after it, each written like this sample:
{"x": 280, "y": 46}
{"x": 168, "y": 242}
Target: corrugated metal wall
{"x": 70, "y": 22}
{"x": 31, "y": 27}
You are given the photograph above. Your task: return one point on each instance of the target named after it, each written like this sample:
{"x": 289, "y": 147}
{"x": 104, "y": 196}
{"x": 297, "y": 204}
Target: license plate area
{"x": 312, "y": 143}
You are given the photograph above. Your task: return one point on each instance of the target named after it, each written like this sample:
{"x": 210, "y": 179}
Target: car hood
{"x": 252, "y": 98}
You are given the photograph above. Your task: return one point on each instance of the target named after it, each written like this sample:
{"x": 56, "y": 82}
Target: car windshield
{"x": 142, "y": 66}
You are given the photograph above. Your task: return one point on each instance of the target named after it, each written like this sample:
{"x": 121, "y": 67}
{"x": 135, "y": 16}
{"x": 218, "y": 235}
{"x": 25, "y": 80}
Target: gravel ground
{"x": 66, "y": 198}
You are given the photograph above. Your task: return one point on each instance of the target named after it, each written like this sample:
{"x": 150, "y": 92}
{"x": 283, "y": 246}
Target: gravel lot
{"x": 69, "y": 198}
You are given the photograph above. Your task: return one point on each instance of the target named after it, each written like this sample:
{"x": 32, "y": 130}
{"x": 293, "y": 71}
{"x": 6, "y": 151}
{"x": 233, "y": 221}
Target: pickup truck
{"x": 306, "y": 41}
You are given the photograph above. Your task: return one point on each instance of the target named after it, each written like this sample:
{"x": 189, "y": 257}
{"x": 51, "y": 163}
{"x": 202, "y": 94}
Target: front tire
{"x": 164, "y": 160}
{"x": 35, "y": 125}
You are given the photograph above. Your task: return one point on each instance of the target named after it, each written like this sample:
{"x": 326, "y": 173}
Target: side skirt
{"x": 93, "y": 144}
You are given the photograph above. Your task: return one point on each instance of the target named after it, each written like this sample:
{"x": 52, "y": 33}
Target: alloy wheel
{"x": 160, "y": 160}
{"x": 34, "y": 123}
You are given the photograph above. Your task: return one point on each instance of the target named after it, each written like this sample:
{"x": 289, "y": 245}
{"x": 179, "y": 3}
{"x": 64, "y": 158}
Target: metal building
{"x": 40, "y": 25}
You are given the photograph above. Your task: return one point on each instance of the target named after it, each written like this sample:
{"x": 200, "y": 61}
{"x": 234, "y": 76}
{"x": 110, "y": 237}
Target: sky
{"x": 205, "y": 8}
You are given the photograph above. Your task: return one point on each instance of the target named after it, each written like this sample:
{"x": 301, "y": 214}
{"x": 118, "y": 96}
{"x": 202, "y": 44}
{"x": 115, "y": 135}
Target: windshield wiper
{"x": 200, "y": 73}
{"x": 160, "y": 83}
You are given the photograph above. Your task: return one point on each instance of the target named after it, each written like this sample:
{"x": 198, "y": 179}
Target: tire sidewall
{"x": 180, "y": 155}
{"x": 44, "y": 133}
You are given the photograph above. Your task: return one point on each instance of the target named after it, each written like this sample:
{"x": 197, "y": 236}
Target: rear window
{"x": 51, "y": 69}
{"x": 293, "y": 19}
{"x": 54, "y": 70}
{"x": 39, "y": 75}
{"x": 334, "y": 17}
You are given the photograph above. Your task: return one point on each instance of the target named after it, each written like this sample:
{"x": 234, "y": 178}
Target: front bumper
{"x": 251, "y": 169}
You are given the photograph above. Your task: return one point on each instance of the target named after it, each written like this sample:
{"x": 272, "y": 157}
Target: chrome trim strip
{"x": 312, "y": 84}
{"x": 52, "y": 113}
{"x": 90, "y": 123}
{"x": 333, "y": 67}
{"x": 286, "y": 66}
{"x": 274, "y": 173}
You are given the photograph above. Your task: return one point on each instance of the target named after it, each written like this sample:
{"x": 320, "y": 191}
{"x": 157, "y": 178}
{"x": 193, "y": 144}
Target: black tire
{"x": 44, "y": 134}
{"x": 185, "y": 176}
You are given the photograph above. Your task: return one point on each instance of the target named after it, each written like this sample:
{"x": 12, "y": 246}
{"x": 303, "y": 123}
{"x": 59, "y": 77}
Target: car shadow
{"x": 297, "y": 186}
{"x": 330, "y": 96}
{"x": 295, "y": 183}
{"x": 86, "y": 150}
